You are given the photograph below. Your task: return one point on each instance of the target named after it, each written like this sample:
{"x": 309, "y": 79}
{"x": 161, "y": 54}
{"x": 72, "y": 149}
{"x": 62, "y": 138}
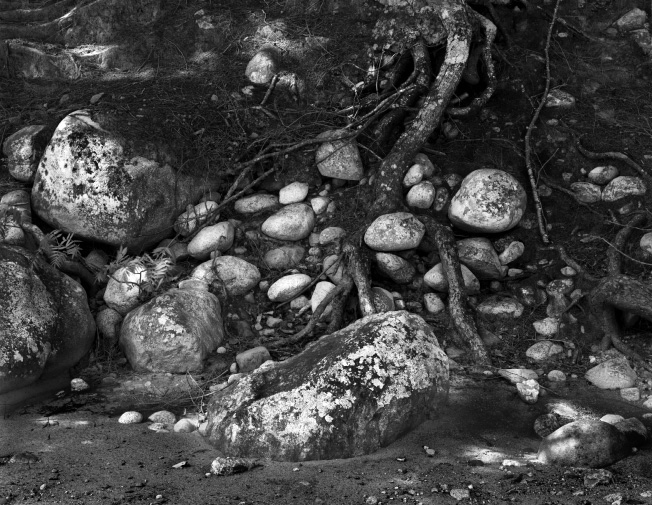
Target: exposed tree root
{"x": 616, "y": 156}
{"x": 359, "y": 274}
{"x": 463, "y": 322}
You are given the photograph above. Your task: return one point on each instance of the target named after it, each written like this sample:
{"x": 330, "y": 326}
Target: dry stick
{"x": 528, "y": 133}
{"x": 457, "y": 299}
{"x": 613, "y": 253}
{"x": 567, "y": 25}
{"x": 270, "y": 89}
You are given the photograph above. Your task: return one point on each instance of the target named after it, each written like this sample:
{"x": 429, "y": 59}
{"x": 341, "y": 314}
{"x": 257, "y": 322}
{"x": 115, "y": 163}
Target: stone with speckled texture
{"x": 93, "y": 183}
{"x": 488, "y": 201}
{"x": 46, "y": 326}
{"x": 175, "y": 332}
{"x": 348, "y": 394}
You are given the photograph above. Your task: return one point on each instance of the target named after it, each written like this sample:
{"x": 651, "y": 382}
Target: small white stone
{"x": 421, "y": 195}
{"x": 544, "y": 350}
{"x": 556, "y": 376}
{"x": 433, "y": 303}
{"x": 218, "y": 237}
{"x": 221, "y": 350}
{"x": 429, "y": 167}
{"x": 435, "y": 279}
{"x": 546, "y": 327}
{"x": 612, "y": 418}
{"x": 131, "y": 417}
{"x": 163, "y": 416}
{"x": 319, "y": 204}
{"x": 516, "y": 375}
{"x": 399, "y": 231}
{"x": 646, "y": 243}
{"x": 528, "y": 391}
{"x": 299, "y": 302}
{"x": 256, "y": 203}
{"x": 331, "y": 234}
{"x": 603, "y": 175}
{"x": 511, "y": 253}
{"x": 78, "y": 385}
{"x": 414, "y": 175}
{"x": 587, "y": 192}
{"x": 630, "y": 394}
{"x": 623, "y": 186}
{"x": 321, "y": 291}
{"x": 293, "y": 193}
{"x": 185, "y": 426}
{"x": 288, "y": 287}
{"x": 293, "y": 222}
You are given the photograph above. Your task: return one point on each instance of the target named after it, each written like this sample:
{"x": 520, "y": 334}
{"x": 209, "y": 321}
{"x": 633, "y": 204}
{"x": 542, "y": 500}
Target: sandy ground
{"x": 85, "y": 456}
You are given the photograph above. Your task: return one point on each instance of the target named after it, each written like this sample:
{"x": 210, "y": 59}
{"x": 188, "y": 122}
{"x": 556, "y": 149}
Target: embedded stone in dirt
{"x": 187, "y": 222}
{"x": 256, "y": 203}
{"x": 348, "y": 394}
{"x": 339, "y": 159}
{"x": 218, "y": 237}
{"x": 284, "y": 257}
{"x": 622, "y": 187}
{"x": 251, "y": 359}
{"x": 91, "y": 183}
{"x": 396, "y": 268}
{"x": 435, "y": 279}
{"x": 175, "y": 332}
{"x": 293, "y": 222}
{"x": 544, "y": 350}
{"x": 394, "y": 232}
{"x": 293, "y": 193}
{"x": 46, "y": 325}
{"x": 587, "y": 192}
{"x": 421, "y": 196}
{"x": 500, "y": 307}
{"x": 516, "y": 375}
{"x": 614, "y": 373}
{"x": 488, "y": 201}
{"x": 288, "y": 287}
{"x": 239, "y": 276}
{"x": 124, "y": 288}
{"x": 322, "y": 289}
{"x": 334, "y": 268}
{"x": 603, "y": 175}
{"x": 511, "y": 253}
{"x": 586, "y": 442}
{"x": 23, "y": 150}
{"x": 263, "y": 66}
{"x": 130, "y": 417}
{"x": 479, "y": 255}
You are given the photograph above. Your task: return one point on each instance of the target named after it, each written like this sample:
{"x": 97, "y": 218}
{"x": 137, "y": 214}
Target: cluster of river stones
{"x": 346, "y": 394}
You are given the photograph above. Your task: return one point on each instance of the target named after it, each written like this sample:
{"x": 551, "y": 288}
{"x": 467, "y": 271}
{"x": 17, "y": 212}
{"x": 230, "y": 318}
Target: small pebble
{"x": 131, "y": 417}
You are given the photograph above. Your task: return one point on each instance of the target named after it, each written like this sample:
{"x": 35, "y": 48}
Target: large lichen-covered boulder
{"x": 93, "y": 182}
{"x": 46, "y": 326}
{"x": 175, "y": 332}
{"x": 348, "y": 394}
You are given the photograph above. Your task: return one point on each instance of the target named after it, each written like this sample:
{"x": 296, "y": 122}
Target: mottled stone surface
{"x": 348, "y": 394}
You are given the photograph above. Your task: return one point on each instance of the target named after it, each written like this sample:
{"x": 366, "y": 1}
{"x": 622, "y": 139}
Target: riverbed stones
{"x": 331, "y": 235}
{"x": 321, "y": 291}
{"x": 433, "y": 304}
{"x": 333, "y": 267}
{"x": 646, "y": 243}
{"x": 394, "y": 232}
{"x": 631, "y": 20}
{"x": 174, "y": 332}
{"x": 46, "y": 325}
{"x": 559, "y": 100}
{"x": 293, "y": 222}
{"x": 421, "y": 196}
{"x": 488, "y": 201}
{"x": 282, "y": 258}
{"x": 287, "y": 287}
{"x": 188, "y": 222}
{"x": 516, "y": 375}
{"x": 435, "y": 279}
{"x": 622, "y": 187}
{"x": 544, "y": 351}
{"x": 603, "y": 175}
{"x": 396, "y": 268}
{"x": 94, "y": 183}
{"x": 528, "y": 390}
{"x": 511, "y": 253}
{"x": 251, "y": 359}
{"x": 500, "y": 307}
{"x": 614, "y": 373}
{"x": 130, "y": 417}
{"x": 586, "y": 192}
{"x": 263, "y": 66}
{"x": 547, "y": 327}
{"x": 23, "y": 150}
{"x": 239, "y": 276}
{"x": 123, "y": 290}
{"x": 253, "y": 204}
{"x": 293, "y": 193}
{"x": 163, "y": 417}
{"x": 348, "y": 394}
{"x": 218, "y": 237}
{"x": 584, "y": 443}
{"x": 414, "y": 175}
{"x": 479, "y": 255}
{"x": 339, "y": 159}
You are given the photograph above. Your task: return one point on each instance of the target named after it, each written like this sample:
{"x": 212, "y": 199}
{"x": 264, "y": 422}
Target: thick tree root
{"x": 462, "y": 321}
{"x": 358, "y": 272}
